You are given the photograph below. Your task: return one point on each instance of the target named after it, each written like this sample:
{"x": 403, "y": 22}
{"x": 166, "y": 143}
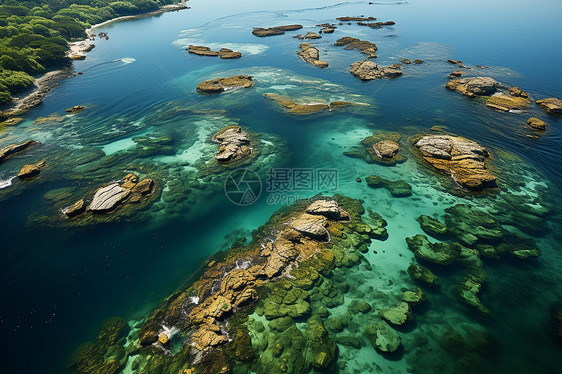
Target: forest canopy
{"x": 34, "y": 34}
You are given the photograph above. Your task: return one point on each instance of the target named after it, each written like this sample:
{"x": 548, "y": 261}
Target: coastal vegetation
{"x": 34, "y": 34}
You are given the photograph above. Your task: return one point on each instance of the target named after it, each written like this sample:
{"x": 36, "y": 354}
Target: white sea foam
{"x": 127, "y": 60}
{"x": 6, "y": 182}
{"x": 194, "y": 299}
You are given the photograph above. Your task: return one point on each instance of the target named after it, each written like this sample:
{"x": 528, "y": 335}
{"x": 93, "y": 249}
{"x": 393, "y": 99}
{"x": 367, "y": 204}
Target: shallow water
{"x": 60, "y": 283}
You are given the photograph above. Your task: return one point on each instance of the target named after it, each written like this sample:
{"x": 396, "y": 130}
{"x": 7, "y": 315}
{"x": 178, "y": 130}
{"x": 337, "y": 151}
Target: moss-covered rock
{"x": 382, "y": 337}
{"x": 468, "y": 291}
{"x": 422, "y": 275}
{"x": 321, "y": 351}
{"x": 414, "y": 297}
{"x": 397, "y": 315}
{"x": 397, "y": 188}
{"x": 471, "y": 226}
{"x": 432, "y": 226}
{"x": 437, "y": 253}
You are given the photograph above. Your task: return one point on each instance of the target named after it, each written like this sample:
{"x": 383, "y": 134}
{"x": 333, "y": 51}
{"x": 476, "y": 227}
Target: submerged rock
{"x": 276, "y": 30}
{"x": 397, "y": 188}
{"x": 516, "y": 91}
{"x": 31, "y": 170}
{"x": 234, "y": 144}
{"x": 321, "y": 350}
{"x": 310, "y": 54}
{"x": 461, "y": 158}
{"x": 552, "y": 105}
{"x": 398, "y": 315}
{"x": 214, "y": 86}
{"x": 305, "y": 109}
{"x": 437, "y": 253}
{"x": 536, "y": 124}
{"x": 468, "y": 291}
{"x": 471, "y": 226}
{"x": 12, "y": 149}
{"x": 456, "y": 74}
{"x": 422, "y": 275}
{"x": 432, "y": 226}
{"x": 368, "y": 70}
{"x": 505, "y": 103}
{"x": 382, "y": 337}
{"x": 362, "y": 46}
{"x": 405, "y": 61}
{"x": 476, "y": 86}
{"x": 414, "y": 297}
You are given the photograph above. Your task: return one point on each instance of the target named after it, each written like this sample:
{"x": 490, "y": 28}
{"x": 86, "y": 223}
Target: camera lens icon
{"x": 242, "y": 187}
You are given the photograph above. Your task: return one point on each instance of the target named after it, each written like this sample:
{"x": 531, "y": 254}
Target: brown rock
{"x": 313, "y": 226}
{"x": 417, "y": 61}
{"x": 30, "y": 170}
{"x": 312, "y": 35}
{"x": 363, "y": 46}
{"x": 310, "y": 54}
{"x": 463, "y": 159}
{"x": 516, "y": 91}
{"x": 12, "y": 149}
{"x": 472, "y": 87}
{"x": 552, "y": 105}
{"x": 329, "y": 209}
{"x": 386, "y": 148}
{"x": 163, "y": 338}
{"x": 144, "y": 187}
{"x": 201, "y": 50}
{"x": 75, "y": 209}
{"x": 406, "y": 61}
{"x": 277, "y": 30}
{"x": 348, "y": 19}
{"x": 234, "y": 144}
{"x": 129, "y": 181}
{"x": 536, "y": 124}
{"x": 78, "y": 57}
{"x": 219, "y": 85}
{"x": 456, "y": 74}
{"x": 229, "y": 54}
{"x": 76, "y": 109}
{"x": 206, "y": 337}
{"x": 505, "y": 103}
{"x": 12, "y": 121}
{"x": 368, "y": 70}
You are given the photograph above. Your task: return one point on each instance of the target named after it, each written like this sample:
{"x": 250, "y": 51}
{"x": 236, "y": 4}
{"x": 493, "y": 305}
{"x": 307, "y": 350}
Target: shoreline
{"x": 49, "y": 80}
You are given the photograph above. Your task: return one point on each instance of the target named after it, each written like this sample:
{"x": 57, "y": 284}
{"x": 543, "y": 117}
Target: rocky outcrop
{"x": 417, "y": 61}
{"x": 414, "y": 297}
{"x": 76, "y": 109}
{"x": 382, "y": 337}
{"x": 75, "y": 209}
{"x": 107, "y": 198}
{"x": 432, "y": 226}
{"x": 12, "y": 149}
{"x": 305, "y": 109}
{"x": 31, "y": 170}
{"x": 309, "y": 35}
{"x": 234, "y": 144}
{"x": 277, "y": 30}
{"x": 476, "y": 86}
{"x": 360, "y": 19}
{"x": 310, "y": 54}
{"x": 536, "y": 124}
{"x": 405, "y": 61}
{"x": 329, "y": 209}
{"x": 397, "y": 315}
{"x": 436, "y": 253}
{"x": 456, "y": 62}
{"x": 516, "y": 91}
{"x": 214, "y": 86}
{"x": 368, "y": 70}
{"x": 398, "y": 188}
{"x": 362, "y": 46}
{"x": 386, "y": 149}
{"x": 463, "y": 159}
{"x": 456, "y": 74}
{"x": 327, "y": 28}
{"x": 422, "y": 275}
{"x": 505, "y": 103}
{"x": 321, "y": 350}
{"x": 206, "y": 51}
{"x": 552, "y": 105}
{"x": 376, "y": 25}
{"x": 468, "y": 291}
{"x": 311, "y": 225}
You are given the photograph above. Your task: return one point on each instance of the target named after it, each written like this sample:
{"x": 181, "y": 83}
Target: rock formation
{"x": 310, "y": 54}
{"x": 536, "y": 124}
{"x": 12, "y": 149}
{"x": 277, "y": 30}
{"x": 206, "y": 51}
{"x": 214, "y": 86}
{"x": 305, "y": 109}
{"x": 505, "y": 103}
{"x": 552, "y": 105}
{"x": 463, "y": 159}
{"x": 382, "y": 337}
{"x": 476, "y": 86}
{"x": 368, "y": 70}
{"x": 363, "y": 46}
{"x": 234, "y": 144}
{"x": 76, "y": 109}
{"x": 31, "y": 170}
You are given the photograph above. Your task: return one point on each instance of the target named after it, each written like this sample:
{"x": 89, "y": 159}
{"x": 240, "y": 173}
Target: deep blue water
{"x": 60, "y": 284}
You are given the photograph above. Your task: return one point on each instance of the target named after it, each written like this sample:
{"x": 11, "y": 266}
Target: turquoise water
{"x": 60, "y": 283}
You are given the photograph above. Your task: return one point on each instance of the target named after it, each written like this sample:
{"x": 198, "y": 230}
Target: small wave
{"x": 127, "y": 60}
{"x": 6, "y": 182}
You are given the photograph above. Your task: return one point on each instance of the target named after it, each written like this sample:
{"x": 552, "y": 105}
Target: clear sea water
{"x": 59, "y": 283}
